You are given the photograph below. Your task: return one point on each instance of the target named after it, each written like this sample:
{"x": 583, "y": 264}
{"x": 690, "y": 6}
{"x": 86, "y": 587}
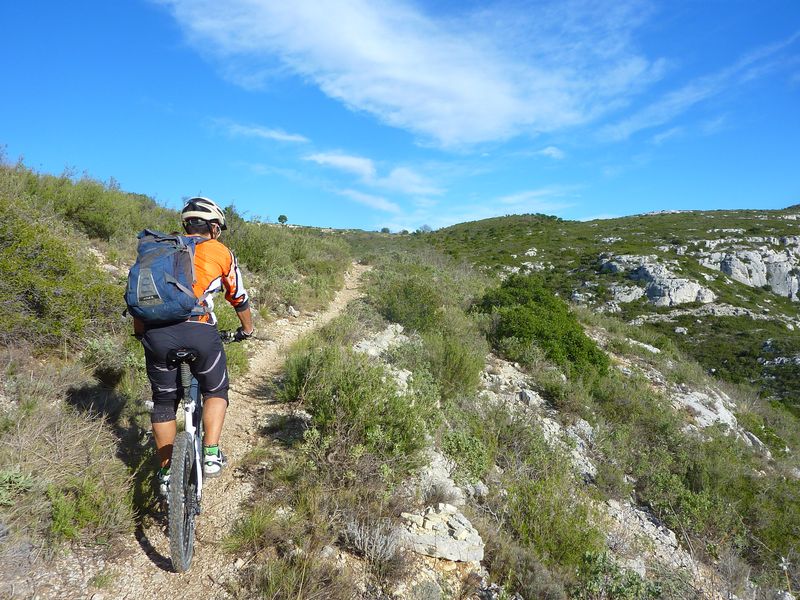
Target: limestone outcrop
{"x": 773, "y": 263}
{"x": 443, "y": 532}
{"x": 663, "y": 286}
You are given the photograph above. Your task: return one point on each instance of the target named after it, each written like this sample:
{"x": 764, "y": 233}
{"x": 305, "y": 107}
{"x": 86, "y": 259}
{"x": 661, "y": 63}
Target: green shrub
{"x": 293, "y": 266}
{"x": 525, "y": 311}
{"x": 52, "y": 292}
{"x": 546, "y": 508}
{"x": 13, "y": 483}
{"x": 518, "y": 569}
{"x": 600, "y": 577}
{"x": 468, "y": 452}
{"x": 455, "y": 354}
{"x": 350, "y": 396}
{"x": 74, "y": 486}
{"x": 261, "y": 528}
{"x": 552, "y": 515}
{"x": 78, "y": 505}
{"x": 301, "y": 577}
{"x": 412, "y": 300}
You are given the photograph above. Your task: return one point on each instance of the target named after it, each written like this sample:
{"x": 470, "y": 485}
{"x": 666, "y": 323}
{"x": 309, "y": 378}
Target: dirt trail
{"x": 141, "y": 569}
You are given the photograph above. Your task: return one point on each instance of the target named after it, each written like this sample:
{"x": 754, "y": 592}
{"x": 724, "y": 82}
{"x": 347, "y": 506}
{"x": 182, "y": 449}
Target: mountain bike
{"x": 186, "y": 479}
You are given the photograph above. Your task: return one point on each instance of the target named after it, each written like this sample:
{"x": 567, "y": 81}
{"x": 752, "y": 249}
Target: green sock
{"x": 164, "y": 470}
{"x": 212, "y": 450}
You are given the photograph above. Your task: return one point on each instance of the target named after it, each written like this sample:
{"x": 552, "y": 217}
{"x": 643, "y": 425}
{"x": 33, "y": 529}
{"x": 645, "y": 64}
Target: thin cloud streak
{"x": 553, "y": 152}
{"x": 376, "y": 202}
{"x": 357, "y": 165}
{"x": 258, "y": 131}
{"x": 454, "y": 82}
{"x": 399, "y": 179}
{"x": 669, "y": 134}
{"x": 751, "y": 66}
{"x": 543, "y": 200}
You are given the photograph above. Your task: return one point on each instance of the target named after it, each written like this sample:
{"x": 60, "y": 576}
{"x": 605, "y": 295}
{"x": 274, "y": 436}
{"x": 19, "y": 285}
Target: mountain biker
{"x": 216, "y": 270}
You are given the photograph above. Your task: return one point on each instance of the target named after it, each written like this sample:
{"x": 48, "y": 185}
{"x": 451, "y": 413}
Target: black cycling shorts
{"x": 210, "y": 368}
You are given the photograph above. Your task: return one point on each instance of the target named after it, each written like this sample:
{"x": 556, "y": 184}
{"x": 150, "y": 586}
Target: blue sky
{"x": 356, "y": 113}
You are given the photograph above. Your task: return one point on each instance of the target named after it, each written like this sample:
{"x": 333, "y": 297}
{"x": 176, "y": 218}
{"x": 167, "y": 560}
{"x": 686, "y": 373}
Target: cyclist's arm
{"x": 246, "y": 319}
{"x": 237, "y": 295}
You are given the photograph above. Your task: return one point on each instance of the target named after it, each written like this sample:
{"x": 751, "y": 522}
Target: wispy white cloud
{"x": 540, "y": 199}
{"x": 408, "y": 181}
{"x": 400, "y": 179}
{"x": 553, "y": 152}
{"x": 478, "y": 76}
{"x": 238, "y": 129}
{"x": 376, "y": 202}
{"x": 753, "y": 65}
{"x": 715, "y": 125}
{"x": 356, "y": 165}
{"x": 549, "y": 200}
{"x": 668, "y": 134}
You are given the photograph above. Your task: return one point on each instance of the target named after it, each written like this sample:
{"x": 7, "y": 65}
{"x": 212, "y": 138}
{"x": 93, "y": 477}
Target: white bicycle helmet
{"x": 205, "y": 209}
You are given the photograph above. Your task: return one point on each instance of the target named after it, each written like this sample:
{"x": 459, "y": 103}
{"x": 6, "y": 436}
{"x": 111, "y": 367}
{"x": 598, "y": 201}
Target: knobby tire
{"x": 182, "y": 500}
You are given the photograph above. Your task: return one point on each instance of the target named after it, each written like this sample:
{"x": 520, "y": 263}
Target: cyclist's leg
{"x": 211, "y": 372}
{"x": 213, "y": 419}
{"x": 164, "y": 384}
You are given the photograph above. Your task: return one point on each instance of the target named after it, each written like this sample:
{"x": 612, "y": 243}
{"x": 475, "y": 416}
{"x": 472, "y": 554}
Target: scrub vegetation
{"x": 335, "y": 473}
{"x": 727, "y": 501}
{"x": 74, "y": 454}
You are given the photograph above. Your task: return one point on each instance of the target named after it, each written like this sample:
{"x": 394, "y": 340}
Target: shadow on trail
{"x": 285, "y": 428}
{"x": 129, "y": 422}
{"x": 266, "y": 389}
{"x": 159, "y": 560}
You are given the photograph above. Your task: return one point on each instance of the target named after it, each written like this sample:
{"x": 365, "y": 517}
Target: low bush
{"x": 600, "y": 577}
{"x": 380, "y": 543}
{"x": 526, "y": 312}
{"x": 349, "y": 395}
{"x": 290, "y": 266}
{"x": 412, "y": 300}
{"x": 52, "y": 293}
{"x": 544, "y": 510}
{"x": 455, "y": 354}
{"x": 301, "y": 576}
{"x": 518, "y": 569}
{"x": 468, "y": 452}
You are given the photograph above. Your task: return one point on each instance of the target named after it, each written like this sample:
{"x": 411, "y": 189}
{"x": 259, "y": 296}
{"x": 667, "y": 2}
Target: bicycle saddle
{"x": 180, "y": 355}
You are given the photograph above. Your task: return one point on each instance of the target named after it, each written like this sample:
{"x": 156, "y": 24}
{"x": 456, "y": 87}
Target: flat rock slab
{"x": 443, "y": 532}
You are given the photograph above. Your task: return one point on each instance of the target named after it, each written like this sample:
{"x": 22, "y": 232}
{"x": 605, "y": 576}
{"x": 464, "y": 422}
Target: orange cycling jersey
{"x": 216, "y": 269}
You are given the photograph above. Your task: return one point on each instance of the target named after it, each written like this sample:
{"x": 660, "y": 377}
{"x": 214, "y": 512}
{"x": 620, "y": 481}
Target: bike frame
{"x": 193, "y": 421}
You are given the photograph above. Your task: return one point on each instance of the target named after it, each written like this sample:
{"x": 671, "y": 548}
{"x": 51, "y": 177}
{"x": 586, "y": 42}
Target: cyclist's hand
{"x": 241, "y": 335}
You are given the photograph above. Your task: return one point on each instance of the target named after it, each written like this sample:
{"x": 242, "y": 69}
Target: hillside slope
{"x": 463, "y": 430}
{"x": 723, "y": 285}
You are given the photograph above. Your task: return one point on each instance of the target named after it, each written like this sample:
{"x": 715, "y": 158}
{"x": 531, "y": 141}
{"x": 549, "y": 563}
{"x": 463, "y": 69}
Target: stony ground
{"x": 140, "y": 567}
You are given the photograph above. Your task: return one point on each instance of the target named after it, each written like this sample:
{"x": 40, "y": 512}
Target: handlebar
{"x": 229, "y": 337}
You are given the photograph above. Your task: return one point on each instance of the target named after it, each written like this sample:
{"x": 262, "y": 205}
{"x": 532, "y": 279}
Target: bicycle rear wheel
{"x": 182, "y": 502}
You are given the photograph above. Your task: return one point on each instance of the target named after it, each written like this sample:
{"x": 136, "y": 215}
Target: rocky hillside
{"x": 722, "y": 284}
{"x": 525, "y": 421}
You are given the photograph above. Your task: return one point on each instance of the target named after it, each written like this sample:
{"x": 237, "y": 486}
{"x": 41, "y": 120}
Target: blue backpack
{"x": 160, "y": 281}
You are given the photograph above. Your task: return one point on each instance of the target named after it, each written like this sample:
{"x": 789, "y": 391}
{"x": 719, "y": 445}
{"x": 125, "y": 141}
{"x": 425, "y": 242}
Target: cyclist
{"x": 216, "y": 270}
